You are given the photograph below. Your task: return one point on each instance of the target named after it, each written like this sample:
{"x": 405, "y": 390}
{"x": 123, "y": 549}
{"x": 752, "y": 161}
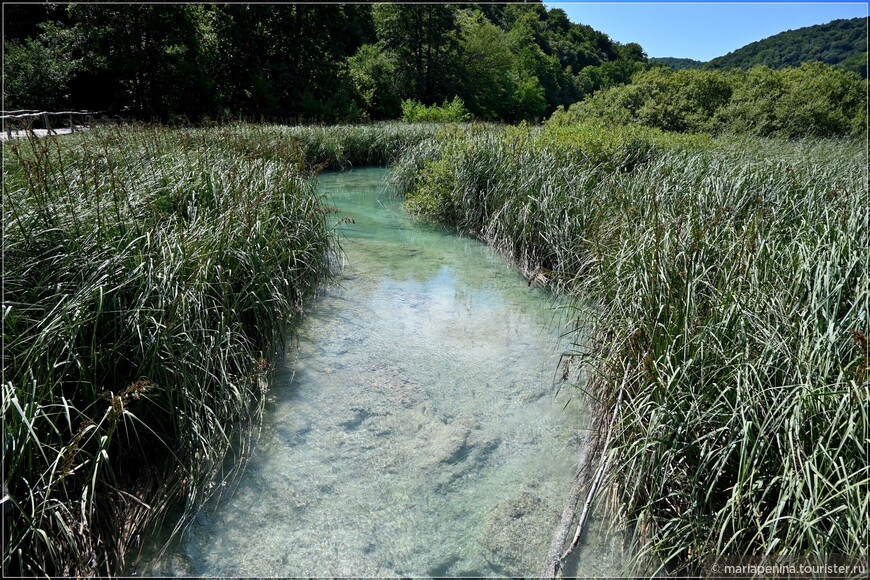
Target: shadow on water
{"x": 414, "y": 428}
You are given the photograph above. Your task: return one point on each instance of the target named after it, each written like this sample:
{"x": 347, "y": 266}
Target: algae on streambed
{"x": 414, "y": 429}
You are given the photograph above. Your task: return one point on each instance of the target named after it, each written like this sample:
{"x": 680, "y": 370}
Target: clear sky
{"x": 701, "y": 30}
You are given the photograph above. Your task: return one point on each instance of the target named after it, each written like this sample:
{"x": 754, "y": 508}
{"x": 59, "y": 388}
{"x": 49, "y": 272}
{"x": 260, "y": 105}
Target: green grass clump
{"x": 728, "y": 338}
{"x": 149, "y": 276}
{"x": 346, "y": 146}
{"x": 448, "y": 112}
{"x": 491, "y": 180}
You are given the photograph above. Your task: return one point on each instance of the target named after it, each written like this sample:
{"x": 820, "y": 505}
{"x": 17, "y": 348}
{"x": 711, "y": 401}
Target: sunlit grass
{"x": 334, "y": 146}
{"x": 730, "y": 288}
{"x": 149, "y": 277}
{"x": 150, "y": 274}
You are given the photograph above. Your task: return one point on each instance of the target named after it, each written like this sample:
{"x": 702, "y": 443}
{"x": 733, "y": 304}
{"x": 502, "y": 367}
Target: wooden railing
{"x": 26, "y": 120}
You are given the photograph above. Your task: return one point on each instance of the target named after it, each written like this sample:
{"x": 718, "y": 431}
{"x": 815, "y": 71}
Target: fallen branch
{"x": 551, "y": 566}
{"x": 554, "y": 562}
{"x": 602, "y": 468}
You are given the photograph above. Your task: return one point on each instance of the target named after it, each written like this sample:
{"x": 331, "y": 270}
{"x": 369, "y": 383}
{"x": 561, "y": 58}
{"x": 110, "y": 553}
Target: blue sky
{"x": 702, "y": 30}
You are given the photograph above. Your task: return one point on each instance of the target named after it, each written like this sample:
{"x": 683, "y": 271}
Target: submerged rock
{"x": 517, "y": 534}
{"x": 356, "y": 416}
{"x": 391, "y": 384}
{"x": 448, "y": 443}
{"x": 452, "y": 451}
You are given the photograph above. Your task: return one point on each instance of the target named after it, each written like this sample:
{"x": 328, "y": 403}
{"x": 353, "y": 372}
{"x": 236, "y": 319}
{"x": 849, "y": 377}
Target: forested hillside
{"x": 814, "y": 99}
{"x": 840, "y": 42}
{"x": 305, "y": 62}
{"x": 677, "y": 63}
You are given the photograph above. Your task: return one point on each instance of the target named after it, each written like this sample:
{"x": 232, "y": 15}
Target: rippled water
{"x": 415, "y": 428}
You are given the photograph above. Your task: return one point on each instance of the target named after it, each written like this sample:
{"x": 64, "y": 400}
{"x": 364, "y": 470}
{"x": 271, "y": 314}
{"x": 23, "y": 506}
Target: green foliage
{"x": 37, "y": 71}
{"x": 612, "y": 73}
{"x": 529, "y": 98}
{"x": 488, "y": 66}
{"x": 813, "y": 100}
{"x": 419, "y": 35}
{"x": 840, "y": 42}
{"x": 856, "y": 63}
{"x": 286, "y": 62}
{"x": 728, "y": 338}
{"x": 146, "y": 58}
{"x": 374, "y": 74}
{"x": 304, "y": 62}
{"x": 448, "y": 112}
{"x": 677, "y": 63}
{"x": 682, "y": 101}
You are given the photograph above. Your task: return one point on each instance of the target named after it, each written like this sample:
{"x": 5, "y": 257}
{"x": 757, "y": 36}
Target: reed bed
{"x": 149, "y": 278}
{"x": 334, "y": 147}
{"x": 727, "y": 338}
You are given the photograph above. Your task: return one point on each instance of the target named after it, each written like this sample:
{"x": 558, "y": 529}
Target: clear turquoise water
{"x": 413, "y": 427}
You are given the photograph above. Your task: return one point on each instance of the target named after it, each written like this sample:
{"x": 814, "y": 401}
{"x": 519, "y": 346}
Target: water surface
{"x": 414, "y": 428}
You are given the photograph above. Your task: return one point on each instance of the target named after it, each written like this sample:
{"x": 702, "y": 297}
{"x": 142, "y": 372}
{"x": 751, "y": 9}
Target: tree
{"x": 420, "y": 36}
{"x": 145, "y": 57}
{"x": 373, "y": 72}
{"x": 37, "y": 71}
{"x": 487, "y": 64}
{"x": 752, "y": 108}
{"x": 819, "y": 100}
{"x": 530, "y": 102}
{"x": 686, "y": 100}
{"x": 534, "y": 70}
{"x": 631, "y": 52}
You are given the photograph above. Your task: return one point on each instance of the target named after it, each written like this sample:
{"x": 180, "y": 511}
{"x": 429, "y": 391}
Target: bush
{"x": 37, "y": 71}
{"x": 452, "y": 112}
{"x": 814, "y": 100}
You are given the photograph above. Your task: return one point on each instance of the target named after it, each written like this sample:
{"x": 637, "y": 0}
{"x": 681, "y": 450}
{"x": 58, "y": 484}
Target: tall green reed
{"x": 730, "y": 289}
{"x": 330, "y": 146}
{"x": 149, "y": 276}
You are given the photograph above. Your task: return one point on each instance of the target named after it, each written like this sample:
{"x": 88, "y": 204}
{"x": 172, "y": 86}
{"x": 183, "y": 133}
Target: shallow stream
{"x": 414, "y": 428}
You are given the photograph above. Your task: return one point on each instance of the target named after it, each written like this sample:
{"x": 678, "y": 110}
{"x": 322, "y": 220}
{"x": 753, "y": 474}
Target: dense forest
{"x": 841, "y": 42}
{"x": 355, "y": 62}
{"x": 677, "y": 63}
{"x": 305, "y": 62}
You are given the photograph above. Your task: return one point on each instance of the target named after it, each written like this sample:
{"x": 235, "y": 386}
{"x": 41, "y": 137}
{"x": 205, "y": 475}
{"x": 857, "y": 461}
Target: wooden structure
{"x": 26, "y": 120}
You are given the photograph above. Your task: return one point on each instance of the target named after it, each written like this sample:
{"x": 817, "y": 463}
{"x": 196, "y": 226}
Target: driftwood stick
{"x": 593, "y": 488}
{"x": 590, "y": 496}
{"x": 553, "y": 563}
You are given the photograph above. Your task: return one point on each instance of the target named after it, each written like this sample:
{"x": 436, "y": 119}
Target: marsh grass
{"x": 730, "y": 289}
{"x": 346, "y": 146}
{"x": 149, "y": 277}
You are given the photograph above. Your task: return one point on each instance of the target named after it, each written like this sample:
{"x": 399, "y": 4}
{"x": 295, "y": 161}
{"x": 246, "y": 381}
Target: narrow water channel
{"x": 414, "y": 428}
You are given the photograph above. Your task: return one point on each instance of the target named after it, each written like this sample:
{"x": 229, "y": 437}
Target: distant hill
{"x": 677, "y": 63}
{"x": 841, "y": 43}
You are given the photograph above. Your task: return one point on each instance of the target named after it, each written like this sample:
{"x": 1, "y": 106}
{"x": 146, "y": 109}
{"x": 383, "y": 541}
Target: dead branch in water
{"x": 554, "y": 562}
